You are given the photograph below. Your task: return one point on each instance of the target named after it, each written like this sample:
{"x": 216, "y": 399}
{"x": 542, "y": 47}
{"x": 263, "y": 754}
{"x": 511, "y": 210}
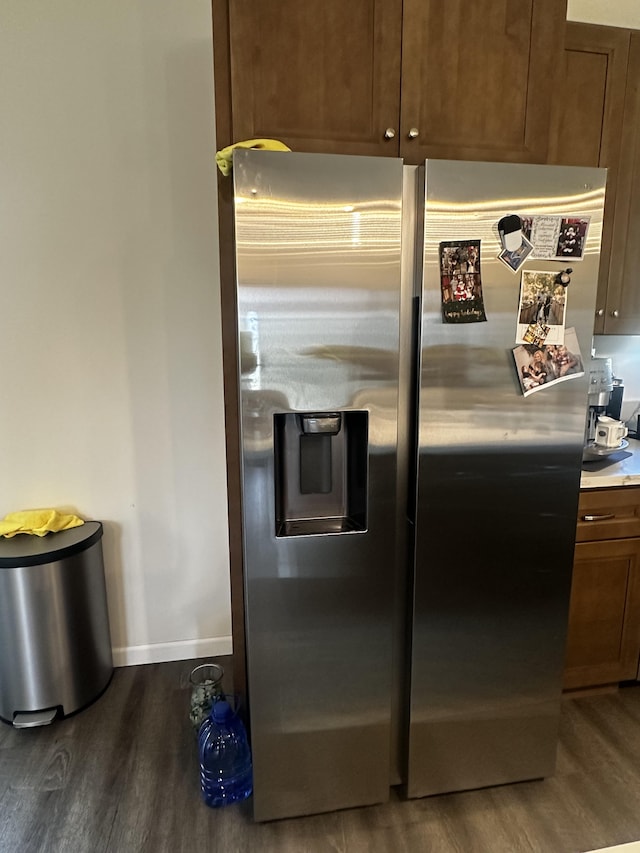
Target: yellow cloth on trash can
{"x": 37, "y": 521}
{"x": 224, "y": 157}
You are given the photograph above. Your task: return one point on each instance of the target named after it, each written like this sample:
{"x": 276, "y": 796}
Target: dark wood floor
{"x": 121, "y": 776}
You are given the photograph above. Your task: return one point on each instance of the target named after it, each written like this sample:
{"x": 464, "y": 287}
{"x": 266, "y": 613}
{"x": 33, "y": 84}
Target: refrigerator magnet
{"x": 540, "y": 367}
{"x": 510, "y": 230}
{"x": 564, "y": 277}
{"x": 460, "y": 282}
{"x": 514, "y": 259}
{"x": 557, "y": 238}
{"x": 536, "y": 334}
{"x": 542, "y": 309}
{"x": 516, "y": 248}
{"x": 573, "y": 236}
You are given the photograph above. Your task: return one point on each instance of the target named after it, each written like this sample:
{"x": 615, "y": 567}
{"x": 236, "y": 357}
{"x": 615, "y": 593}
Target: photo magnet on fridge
{"x": 516, "y": 248}
{"x": 572, "y": 237}
{"x": 510, "y": 231}
{"x": 556, "y": 238}
{"x": 539, "y": 367}
{"x": 460, "y": 282}
{"x": 517, "y": 257}
{"x": 536, "y": 334}
{"x": 542, "y": 309}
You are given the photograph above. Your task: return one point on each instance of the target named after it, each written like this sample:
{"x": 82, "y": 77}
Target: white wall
{"x": 611, "y": 13}
{"x": 110, "y": 342}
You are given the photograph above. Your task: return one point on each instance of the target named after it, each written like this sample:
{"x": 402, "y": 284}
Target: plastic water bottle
{"x": 225, "y": 760}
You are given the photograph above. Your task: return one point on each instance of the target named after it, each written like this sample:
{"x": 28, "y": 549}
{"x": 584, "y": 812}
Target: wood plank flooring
{"x": 121, "y": 777}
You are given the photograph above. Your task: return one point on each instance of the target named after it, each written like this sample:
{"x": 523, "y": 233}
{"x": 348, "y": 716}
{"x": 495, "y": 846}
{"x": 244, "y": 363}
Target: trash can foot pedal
{"x": 34, "y": 718}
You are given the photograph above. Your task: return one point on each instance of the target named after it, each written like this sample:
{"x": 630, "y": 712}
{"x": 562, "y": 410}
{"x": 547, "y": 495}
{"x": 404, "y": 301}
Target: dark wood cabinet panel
{"x": 587, "y": 120}
{"x": 474, "y": 80}
{"x": 604, "y": 620}
{"x": 622, "y": 312}
{"x": 477, "y": 78}
{"x": 318, "y": 76}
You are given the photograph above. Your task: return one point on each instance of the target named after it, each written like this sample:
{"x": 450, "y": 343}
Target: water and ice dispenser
{"x": 320, "y": 472}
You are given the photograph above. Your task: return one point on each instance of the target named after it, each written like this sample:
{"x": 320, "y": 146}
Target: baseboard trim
{"x": 179, "y": 650}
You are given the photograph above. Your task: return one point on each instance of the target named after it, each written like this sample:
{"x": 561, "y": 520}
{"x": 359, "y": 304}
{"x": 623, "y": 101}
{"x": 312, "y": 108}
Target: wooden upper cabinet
{"x": 319, "y": 76}
{"x": 477, "y": 78}
{"x": 474, "y": 80}
{"x": 622, "y": 311}
{"x": 587, "y": 121}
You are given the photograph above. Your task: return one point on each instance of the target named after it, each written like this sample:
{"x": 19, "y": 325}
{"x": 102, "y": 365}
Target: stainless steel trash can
{"x": 55, "y": 646}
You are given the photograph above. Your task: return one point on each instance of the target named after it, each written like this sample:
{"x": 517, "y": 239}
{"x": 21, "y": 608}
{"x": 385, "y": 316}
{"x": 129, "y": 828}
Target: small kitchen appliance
{"x": 614, "y": 407}
{"x": 600, "y": 388}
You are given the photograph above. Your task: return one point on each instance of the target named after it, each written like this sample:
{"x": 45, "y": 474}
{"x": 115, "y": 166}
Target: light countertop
{"x": 626, "y": 472}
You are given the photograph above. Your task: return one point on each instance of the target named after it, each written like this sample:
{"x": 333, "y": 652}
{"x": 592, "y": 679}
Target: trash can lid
{"x": 26, "y": 549}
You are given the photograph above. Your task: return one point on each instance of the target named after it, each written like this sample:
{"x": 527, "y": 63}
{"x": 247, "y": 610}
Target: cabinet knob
{"x": 615, "y": 313}
{"x": 389, "y": 133}
{"x": 600, "y": 312}
{"x": 413, "y": 133}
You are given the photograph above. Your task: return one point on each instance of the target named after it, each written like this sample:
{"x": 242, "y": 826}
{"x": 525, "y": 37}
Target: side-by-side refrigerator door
{"x": 318, "y": 245}
{"x": 498, "y": 467}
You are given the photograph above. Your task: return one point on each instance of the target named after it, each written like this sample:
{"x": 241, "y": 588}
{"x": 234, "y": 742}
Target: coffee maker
{"x": 601, "y": 384}
{"x": 614, "y": 408}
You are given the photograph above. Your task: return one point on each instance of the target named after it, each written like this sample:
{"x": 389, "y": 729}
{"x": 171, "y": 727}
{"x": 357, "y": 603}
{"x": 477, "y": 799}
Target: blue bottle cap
{"x": 221, "y": 711}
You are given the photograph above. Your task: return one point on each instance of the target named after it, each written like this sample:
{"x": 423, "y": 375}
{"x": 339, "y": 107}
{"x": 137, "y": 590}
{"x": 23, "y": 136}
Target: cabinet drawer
{"x": 608, "y": 514}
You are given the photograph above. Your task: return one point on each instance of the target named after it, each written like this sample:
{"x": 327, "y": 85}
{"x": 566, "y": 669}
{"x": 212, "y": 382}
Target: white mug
{"x": 609, "y": 432}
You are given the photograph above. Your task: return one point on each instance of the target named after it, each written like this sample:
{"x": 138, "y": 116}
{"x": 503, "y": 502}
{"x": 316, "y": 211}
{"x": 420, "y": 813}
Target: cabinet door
{"x": 622, "y": 315}
{"x": 586, "y": 119}
{"x": 603, "y": 638}
{"x": 320, "y": 77}
{"x": 477, "y": 78}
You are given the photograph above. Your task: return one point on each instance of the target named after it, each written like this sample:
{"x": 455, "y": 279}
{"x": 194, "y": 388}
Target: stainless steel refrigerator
{"x": 409, "y": 507}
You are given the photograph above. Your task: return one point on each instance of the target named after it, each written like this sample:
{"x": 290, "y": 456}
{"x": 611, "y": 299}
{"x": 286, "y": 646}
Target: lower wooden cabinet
{"x": 603, "y": 639}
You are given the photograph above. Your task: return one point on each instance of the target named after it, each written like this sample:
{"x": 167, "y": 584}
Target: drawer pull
{"x": 597, "y": 517}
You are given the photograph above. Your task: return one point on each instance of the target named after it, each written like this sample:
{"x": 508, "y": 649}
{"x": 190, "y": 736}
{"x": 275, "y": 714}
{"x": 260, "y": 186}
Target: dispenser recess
{"x": 320, "y": 472}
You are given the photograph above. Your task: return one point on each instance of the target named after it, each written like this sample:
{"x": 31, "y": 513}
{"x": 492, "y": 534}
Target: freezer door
{"x": 318, "y": 242}
{"x": 497, "y": 490}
